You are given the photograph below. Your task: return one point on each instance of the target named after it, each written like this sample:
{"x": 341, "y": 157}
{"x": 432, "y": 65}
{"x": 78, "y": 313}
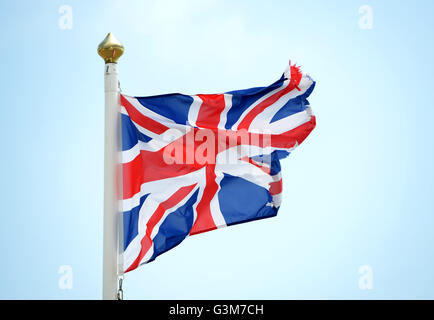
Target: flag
{"x": 195, "y": 163}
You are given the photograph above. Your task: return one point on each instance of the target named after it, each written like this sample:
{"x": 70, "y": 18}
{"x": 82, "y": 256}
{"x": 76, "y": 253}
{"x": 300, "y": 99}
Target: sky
{"x": 358, "y": 212}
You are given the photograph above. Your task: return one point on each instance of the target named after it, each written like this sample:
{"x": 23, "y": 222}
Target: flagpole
{"x": 110, "y": 49}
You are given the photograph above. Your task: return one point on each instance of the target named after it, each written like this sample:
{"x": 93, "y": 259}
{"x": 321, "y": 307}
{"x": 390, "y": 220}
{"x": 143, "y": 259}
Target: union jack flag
{"x": 195, "y": 163}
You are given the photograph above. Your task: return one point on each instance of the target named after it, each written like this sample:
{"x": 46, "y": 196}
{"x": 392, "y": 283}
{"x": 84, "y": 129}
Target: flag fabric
{"x": 195, "y": 163}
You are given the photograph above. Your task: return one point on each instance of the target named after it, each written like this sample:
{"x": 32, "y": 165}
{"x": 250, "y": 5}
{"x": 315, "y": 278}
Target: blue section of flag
{"x": 241, "y": 201}
{"x": 173, "y": 106}
{"x": 131, "y": 222}
{"x": 275, "y": 163}
{"x": 175, "y": 227}
{"x": 130, "y": 134}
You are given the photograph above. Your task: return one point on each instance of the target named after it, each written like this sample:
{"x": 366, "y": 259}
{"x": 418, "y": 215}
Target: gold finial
{"x": 110, "y": 49}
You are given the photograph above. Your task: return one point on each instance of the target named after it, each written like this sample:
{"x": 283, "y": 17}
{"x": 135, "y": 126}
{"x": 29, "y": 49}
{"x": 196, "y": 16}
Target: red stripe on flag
{"x": 275, "y": 187}
{"x": 204, "y": 221}
{"x": 141, "y": 119}
{"x": 210, "y": 110}
{"x": 146, "y": 241}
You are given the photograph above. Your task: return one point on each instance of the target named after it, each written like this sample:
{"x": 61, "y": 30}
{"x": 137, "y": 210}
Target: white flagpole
{"x": 110, "y": 49}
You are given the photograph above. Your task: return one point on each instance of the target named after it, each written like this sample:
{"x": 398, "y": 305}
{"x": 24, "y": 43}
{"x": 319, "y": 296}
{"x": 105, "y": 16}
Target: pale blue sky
{"x": 357, "y": 192}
